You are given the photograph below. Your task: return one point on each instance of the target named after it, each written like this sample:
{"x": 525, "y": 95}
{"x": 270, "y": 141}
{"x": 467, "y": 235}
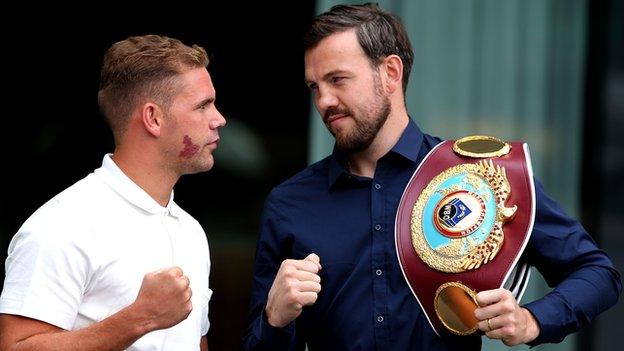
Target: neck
{"x": 364, "y": 162}
{"x": 144, "y": 172}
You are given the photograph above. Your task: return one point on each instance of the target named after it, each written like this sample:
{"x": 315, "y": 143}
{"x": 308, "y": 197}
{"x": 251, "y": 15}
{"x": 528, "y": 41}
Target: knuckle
{"x": 509, "y": 306}
{"x": 288, "y": 272}
{"x": 313, "y": 267}
{"x": 291, "y": 299}
{"x": 290, "y": 285}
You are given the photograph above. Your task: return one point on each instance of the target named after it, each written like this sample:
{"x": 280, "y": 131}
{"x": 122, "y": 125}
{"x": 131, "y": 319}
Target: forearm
{"x": 116, "y": 332}
{"x": 574, "y": 303}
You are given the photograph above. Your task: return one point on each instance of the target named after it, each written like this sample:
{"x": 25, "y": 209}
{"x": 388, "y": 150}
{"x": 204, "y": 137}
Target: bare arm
{"x": 163, "y": 301}
{"x": 117, "y": 332}
{"x": 203, "y": 343}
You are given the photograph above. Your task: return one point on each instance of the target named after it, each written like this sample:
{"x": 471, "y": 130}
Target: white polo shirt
{"x": 82, "y": 256}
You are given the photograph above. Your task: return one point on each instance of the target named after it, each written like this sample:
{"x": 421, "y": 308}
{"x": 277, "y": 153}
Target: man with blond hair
{"x": 112, "y": 262}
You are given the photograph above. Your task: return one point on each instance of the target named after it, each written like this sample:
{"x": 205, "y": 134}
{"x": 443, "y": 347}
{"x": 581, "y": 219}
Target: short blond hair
{"x": 140, "y": 68}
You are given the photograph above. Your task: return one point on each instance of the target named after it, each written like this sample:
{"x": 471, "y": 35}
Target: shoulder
{"x": 285, "y": 199}
{"x": 431, "y": 141}
{"x": 69, "y": 209}
{"x": 312, "y": 178}
{"x": 59, "y": 232}
{"x": 190, "y": 224}
{"x": 185, "y": 218}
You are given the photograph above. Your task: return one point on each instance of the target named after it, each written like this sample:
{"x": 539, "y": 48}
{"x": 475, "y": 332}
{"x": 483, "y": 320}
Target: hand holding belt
{"x": 462, "y": 224}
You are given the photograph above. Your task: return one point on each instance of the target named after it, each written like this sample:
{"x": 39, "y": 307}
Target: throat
{"x": 362, "y": 167}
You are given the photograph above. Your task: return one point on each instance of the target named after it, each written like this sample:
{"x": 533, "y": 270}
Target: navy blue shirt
{"x": 365, "y": 303}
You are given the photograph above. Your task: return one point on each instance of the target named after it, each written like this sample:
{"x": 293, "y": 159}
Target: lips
{"x": 335, "y": 117}
{"x": 214, "y": 142}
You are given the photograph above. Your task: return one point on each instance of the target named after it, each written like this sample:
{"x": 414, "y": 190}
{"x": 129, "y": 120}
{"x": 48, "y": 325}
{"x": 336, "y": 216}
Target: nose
{"x": 218, "y": 121}
{"x": 325, "y": 99}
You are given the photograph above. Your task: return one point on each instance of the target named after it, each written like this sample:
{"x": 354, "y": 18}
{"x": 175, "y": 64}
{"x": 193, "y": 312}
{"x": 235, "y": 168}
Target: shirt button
{"x": 378, "y": 272}
{"x": 377, "y": 186}
{"x": 379, "y": 319}
{"x": 377, "y": 226}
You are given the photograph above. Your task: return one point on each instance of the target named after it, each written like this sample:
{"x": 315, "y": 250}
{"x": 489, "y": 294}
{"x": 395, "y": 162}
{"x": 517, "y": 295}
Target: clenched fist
{"x": 296, "y": 284}
{"x": 164, "y": 298}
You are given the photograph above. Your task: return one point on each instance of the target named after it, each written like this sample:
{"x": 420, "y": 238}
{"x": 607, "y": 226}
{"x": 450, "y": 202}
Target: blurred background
{"x": 550, "y": 72}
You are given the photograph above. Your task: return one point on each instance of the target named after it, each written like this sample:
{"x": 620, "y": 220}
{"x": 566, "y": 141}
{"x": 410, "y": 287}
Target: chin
{"x": 199, "y": 166}
{"x": 208, "y": 164}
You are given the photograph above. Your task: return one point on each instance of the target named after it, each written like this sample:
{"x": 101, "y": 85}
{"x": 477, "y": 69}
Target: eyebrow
{"x": 329, "y": 74}
{"x": 205, "y": 102}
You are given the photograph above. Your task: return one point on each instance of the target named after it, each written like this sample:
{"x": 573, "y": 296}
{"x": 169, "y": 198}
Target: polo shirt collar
{"x": 114, "y": 177}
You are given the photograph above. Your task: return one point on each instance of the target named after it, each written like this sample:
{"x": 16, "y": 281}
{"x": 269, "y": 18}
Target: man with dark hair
{"x": 326, "y": 270}
{"x": 112, "y": 263}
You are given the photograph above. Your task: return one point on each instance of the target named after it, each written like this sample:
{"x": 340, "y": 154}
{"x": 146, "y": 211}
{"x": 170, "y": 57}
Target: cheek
{"x": 189, "y": 149}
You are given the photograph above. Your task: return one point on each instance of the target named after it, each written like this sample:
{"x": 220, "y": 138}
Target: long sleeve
{"x": 270, "y": 252}
{"x": 583, "y": 277}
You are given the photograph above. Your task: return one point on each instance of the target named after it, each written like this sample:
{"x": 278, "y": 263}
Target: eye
{"x": 204, "y": 105}
{"x": 313, "y": 86}
{"x": 337, "y": 79}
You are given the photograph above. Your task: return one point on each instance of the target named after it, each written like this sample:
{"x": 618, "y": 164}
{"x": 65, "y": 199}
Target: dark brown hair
{"x": 379, "y": 33}
{"x": 140, "y": 68}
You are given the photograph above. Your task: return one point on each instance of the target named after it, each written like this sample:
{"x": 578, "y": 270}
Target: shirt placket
{"x": 165, "y": 221}
{"x": 378, "y": 269}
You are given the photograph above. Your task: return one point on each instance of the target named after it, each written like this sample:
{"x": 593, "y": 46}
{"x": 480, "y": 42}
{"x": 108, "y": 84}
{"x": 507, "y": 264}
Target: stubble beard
{"x": 197, "y": 164}
{"x": 367, "y": 126}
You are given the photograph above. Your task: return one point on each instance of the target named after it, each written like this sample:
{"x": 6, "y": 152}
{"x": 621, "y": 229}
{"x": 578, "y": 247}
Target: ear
{"x": 152, "y": 118}
{"x": 392, "y": 70}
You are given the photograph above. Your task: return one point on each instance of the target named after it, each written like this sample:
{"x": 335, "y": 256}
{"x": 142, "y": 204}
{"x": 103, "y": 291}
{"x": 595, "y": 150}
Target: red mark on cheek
{"x": 190, "y": 149}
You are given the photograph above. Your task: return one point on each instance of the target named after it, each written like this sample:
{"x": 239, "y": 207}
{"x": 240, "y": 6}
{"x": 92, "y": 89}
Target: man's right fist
{"x": 164, "y": 298}
{"x": 296, "y": 284}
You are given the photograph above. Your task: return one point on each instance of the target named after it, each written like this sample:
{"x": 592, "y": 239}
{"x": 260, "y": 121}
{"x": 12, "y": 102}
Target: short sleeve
{"x": 46, "y": 275}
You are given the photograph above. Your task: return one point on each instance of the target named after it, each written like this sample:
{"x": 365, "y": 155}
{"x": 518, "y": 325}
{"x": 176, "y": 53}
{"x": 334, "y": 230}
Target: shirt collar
{"x": 114, "y": 177}
{"x": 410, "y": 142}
{"x": 408, "y": 146}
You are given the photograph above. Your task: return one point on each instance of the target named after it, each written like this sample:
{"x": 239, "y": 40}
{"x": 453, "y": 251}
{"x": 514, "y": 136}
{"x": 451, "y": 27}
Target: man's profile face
{"x": 192, "y": 122}
{"x": 348, "y": 91}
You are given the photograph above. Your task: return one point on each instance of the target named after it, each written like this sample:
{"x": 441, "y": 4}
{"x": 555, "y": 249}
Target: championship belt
{"x": 463, "y": 222}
